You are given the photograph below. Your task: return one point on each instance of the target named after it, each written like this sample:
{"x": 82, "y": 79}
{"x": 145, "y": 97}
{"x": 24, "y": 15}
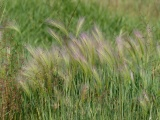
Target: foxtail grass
{"x": 86, "y": 76}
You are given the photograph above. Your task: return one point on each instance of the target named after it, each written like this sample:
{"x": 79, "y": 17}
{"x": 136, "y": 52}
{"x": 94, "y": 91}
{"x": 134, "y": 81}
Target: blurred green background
{"x": 112, "y": 16}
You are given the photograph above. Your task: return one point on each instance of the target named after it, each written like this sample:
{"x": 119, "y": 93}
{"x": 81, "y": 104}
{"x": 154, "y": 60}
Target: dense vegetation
{"x": 86, "y": 59}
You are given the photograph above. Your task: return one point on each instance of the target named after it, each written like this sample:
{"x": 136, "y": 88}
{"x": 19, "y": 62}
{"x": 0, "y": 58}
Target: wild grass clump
{"x": 10, "y": 98}
{"x": 86, "y": 76}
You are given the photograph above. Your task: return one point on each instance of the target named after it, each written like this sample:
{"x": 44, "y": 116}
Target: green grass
{"x": 34, "y": 13}
{"x": 55, "y": 63}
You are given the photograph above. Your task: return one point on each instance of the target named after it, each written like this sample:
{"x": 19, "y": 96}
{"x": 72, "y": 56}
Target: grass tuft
{"x": 92, "y": 71}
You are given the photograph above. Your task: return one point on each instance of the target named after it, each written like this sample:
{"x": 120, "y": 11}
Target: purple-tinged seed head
{"x": 138, "y": 34}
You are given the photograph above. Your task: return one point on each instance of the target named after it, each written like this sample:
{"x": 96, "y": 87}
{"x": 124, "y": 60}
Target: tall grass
{"x": 88, "y": 77}
{"x": 83, "y": 75}
{"x": 10, "y": 62}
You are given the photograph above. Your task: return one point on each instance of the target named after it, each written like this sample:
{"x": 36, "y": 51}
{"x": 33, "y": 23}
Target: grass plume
{"x": 90, "y": 68}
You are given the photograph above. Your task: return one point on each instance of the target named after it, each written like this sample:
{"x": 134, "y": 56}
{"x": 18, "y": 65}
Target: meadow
{"x": 79, "y": 60}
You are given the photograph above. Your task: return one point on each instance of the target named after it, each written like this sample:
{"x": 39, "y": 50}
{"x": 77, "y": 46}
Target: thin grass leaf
{"x": 140, "y": 41}
{"x": 79, "y": 26}
{"x": 14, "y": 26}
{"x": 97, "y": 77}
{"x": 58, "y": 25}
{"x": 97, "y": 34}
{"x": 53, "y": 34}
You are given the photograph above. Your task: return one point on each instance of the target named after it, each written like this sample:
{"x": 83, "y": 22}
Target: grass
{"x": 57, "y": 64}
{"x": 32, "y": 18}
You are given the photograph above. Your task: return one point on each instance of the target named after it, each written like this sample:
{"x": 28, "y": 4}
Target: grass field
{"x": 79, "y": 60}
